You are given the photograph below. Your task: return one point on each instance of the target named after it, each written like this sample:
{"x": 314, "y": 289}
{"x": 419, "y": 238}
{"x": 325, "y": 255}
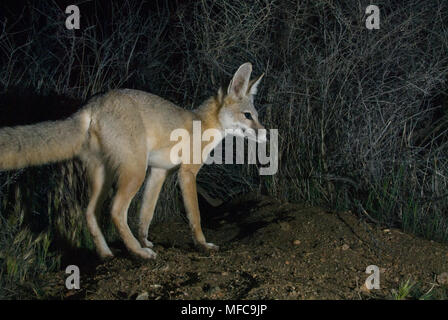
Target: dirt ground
{"x": 268, "y": 250}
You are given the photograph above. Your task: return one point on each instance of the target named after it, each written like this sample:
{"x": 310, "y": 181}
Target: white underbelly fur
{"x": 161, "y": 159}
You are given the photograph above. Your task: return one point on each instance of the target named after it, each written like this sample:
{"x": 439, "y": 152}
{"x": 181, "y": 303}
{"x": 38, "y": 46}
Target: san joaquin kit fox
{"x": 119, "y": 135}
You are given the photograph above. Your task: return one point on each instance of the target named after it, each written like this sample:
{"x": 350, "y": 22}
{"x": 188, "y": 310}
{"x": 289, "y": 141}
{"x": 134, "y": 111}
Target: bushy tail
{"x": 44, "y": 142}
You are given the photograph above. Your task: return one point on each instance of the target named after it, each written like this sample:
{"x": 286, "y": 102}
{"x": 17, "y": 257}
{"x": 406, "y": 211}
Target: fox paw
{"x": 209, "y": 246}
{"x": 146, "y": 253}
{"x": 146, "y": 243}
{"x": 106, "y": 255}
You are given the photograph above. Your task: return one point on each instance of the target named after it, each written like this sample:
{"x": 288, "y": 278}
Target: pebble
{"x": 143, "y": 296}
{"x": 364, "y": 289}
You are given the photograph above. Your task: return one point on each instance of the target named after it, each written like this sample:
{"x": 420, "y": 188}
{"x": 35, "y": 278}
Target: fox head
{"x": 237, "y": 111}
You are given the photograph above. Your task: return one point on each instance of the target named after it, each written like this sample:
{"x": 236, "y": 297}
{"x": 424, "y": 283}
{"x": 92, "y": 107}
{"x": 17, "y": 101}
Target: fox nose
{"x": 261, "y": 132}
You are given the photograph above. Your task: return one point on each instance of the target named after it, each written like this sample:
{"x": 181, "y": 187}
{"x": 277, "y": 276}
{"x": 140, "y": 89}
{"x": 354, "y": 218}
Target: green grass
{"x": 23, "y": 257}
{"x": 412, "y": 290}
{"x": 404, "y": 290}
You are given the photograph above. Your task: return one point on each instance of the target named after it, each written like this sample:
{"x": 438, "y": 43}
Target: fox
{"x": 123, "y": 136}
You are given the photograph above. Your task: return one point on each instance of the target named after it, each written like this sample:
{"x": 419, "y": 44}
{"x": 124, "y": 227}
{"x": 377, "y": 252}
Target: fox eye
{"x": 248, "y": 115}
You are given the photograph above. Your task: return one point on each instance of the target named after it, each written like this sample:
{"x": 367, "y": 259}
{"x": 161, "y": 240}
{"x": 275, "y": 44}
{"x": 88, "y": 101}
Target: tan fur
{"x": 43, "y": 142}
{"x": 119, "y": 135}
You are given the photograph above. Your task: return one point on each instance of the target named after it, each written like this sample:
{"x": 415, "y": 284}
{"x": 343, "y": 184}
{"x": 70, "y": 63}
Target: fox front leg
{"x": 187, "y": 179}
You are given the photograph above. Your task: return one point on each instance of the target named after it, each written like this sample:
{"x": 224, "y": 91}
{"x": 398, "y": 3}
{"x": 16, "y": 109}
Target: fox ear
{"x": 253, "y": 85}
{"x": 240, "y": 81}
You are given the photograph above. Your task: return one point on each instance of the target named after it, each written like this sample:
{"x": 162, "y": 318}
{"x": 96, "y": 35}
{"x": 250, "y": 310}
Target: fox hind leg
{"x": 100, "y": 184}
{"x": 129, "y": 183}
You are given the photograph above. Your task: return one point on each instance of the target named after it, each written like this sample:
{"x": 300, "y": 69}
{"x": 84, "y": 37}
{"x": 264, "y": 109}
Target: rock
{"x": 143, "y": 296}
{"x": 443, "y": 278}
{"x": 155, "y": 286}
